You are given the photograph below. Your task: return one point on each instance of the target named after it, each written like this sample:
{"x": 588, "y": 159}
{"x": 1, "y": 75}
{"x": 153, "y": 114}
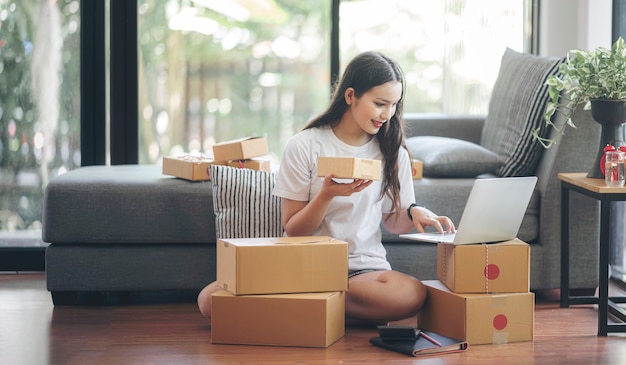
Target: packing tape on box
{"x": 500, "y": 320}
{"x": 486, "y": 268}
{"x": 491, "y": 271}
{"x": 194, "y": 158}
{"x": 500, "y": 337}
{"x": 499, "y": 301}
{"x": 445, "y": 260}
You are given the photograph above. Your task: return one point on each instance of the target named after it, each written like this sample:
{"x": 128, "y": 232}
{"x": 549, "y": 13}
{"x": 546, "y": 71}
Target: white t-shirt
{"x": 356, "y": 218}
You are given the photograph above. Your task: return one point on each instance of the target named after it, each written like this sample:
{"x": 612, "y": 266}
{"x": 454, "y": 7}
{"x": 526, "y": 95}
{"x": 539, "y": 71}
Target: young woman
{"x": 364, "y": 120}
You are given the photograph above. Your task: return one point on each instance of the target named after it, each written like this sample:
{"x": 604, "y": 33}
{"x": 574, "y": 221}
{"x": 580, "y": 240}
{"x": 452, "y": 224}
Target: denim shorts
{"x": 359, "y": 272}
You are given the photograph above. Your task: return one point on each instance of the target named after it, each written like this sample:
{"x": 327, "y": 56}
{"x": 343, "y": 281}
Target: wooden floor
{"x": 33, "y": 331}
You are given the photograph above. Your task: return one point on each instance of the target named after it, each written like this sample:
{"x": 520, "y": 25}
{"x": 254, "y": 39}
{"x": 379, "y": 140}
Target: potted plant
{"x": 596, "y": 78}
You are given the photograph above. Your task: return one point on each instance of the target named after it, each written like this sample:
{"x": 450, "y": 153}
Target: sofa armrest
{"x": 466, "y": 127}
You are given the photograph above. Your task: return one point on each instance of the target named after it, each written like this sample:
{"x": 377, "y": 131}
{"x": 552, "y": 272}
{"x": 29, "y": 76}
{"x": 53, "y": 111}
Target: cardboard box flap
{"x": 238, "y": 140}
{"x": 264, "y": 241}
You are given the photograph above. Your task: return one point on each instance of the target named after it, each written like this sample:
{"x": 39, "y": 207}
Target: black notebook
{"x": 415, "y": 342}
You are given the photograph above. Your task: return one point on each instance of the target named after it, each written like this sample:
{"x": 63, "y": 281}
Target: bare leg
{"x": 204, "y": 299}
{"x": 383, "y": 296}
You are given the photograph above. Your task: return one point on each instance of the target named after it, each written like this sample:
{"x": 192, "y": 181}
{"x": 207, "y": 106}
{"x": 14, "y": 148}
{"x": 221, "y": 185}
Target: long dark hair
{"x": 365, "y": 71}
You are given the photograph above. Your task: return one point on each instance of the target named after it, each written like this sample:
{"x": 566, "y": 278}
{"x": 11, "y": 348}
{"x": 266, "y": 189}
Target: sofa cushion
{"x": 127, "y": 204}
{"x": 516, "y": 108}
{"x": 452, "y": 157}
{"x": 244, "y": 204}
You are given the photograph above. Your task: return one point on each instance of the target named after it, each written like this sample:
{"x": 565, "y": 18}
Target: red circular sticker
{"x": 492, "y": 271}
{"x": 500, "y": 321}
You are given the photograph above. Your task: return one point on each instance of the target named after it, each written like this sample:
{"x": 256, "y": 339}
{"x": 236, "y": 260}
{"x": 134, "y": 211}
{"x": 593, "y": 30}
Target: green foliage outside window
{"x": 39, "y": 103}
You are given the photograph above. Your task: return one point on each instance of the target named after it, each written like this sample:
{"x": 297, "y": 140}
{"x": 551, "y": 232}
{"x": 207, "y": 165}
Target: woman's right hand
{"x": 333, "y": 188}
{"x": 301, "y": 218}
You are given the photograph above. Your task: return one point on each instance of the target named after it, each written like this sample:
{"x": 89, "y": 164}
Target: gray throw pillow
{"x": 244, "y": 204}
{"x": 516, "y": 108}
{"x": 452, "y": 157}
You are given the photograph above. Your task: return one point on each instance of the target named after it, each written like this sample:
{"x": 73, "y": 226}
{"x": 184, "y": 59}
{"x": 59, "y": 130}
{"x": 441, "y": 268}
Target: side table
{"x": 596, "y": 189}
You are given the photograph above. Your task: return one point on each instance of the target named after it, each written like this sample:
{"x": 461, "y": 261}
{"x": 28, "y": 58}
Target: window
{"x": 212, "y": 70}
{"x": 449, "y": 50}
{"x": 39, "y": 108}
{"x": 217, "y": 70}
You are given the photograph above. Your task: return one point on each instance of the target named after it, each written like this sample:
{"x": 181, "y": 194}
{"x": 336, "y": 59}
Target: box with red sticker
{"x": 417, "y": 169}
{"x": 478, "y": 318}
{"x": 485, "y": 268}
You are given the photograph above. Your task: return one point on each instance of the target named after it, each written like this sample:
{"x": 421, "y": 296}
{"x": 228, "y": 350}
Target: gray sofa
{"x": 129, "y": 229}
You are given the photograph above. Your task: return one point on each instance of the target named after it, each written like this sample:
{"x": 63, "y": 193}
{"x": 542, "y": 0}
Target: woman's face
{"x": 375, "y": 107}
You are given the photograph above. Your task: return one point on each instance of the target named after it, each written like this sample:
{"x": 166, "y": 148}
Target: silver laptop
{"x": 493, "y": 212}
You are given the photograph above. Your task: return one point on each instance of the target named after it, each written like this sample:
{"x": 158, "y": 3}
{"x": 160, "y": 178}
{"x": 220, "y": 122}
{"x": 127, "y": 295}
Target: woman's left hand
{"x": 423, "y": 217}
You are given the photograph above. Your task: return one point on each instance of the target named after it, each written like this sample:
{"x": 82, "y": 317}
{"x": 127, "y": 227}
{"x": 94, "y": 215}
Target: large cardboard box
{"x": 349, "y": 168}
{"x": 282, "y": 265}
{"x": 259, "y": 164}
{"x": 485, "y": 268}
{"x": 478, "y": 318}
{"x": 306, "y": 319}
{"x": 194, "y": 168}
{"x": 240, "y": 149}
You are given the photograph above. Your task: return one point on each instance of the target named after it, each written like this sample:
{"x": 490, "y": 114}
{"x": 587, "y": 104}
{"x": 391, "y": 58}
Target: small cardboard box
{"x": 277, "y": 265}
{"x": 240, "y": 149}
{"x": 305, "y": 319}
{"x": 417, "y": 169}
{"x": 478, "y": 318}
{"x": 485, "y": 268}
{"x": 194, "y": 168}
{"x": 349, "y": 168}
{"x": 259, "y": 164}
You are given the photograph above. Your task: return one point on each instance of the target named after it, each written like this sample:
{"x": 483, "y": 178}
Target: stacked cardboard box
{"x": 285, "y": 291}
{"x": 250, "y": 153}
{"x": 482, "y": 293}
{"x": 189, "y": 167}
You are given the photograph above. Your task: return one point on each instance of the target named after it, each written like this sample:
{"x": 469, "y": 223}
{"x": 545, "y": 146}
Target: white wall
{"x": 573, "y": 24}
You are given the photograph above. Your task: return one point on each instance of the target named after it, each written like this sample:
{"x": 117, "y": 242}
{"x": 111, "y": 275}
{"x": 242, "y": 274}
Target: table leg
{"x": 564, "y": 246}
{"x": 603, "y": 271}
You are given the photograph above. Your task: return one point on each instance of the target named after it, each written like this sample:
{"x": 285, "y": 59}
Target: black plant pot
{"x": 611, "y": 115}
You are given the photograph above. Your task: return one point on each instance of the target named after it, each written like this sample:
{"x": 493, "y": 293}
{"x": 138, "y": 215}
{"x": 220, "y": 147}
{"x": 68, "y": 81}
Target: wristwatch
{"x": 408, "y": 210}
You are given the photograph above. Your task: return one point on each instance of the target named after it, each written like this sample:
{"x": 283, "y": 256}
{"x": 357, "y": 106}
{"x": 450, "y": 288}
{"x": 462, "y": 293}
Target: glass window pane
{"x": 449, "y": 50}
{"x": 39, "y": 106}
{"x": 216, "y": 70}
